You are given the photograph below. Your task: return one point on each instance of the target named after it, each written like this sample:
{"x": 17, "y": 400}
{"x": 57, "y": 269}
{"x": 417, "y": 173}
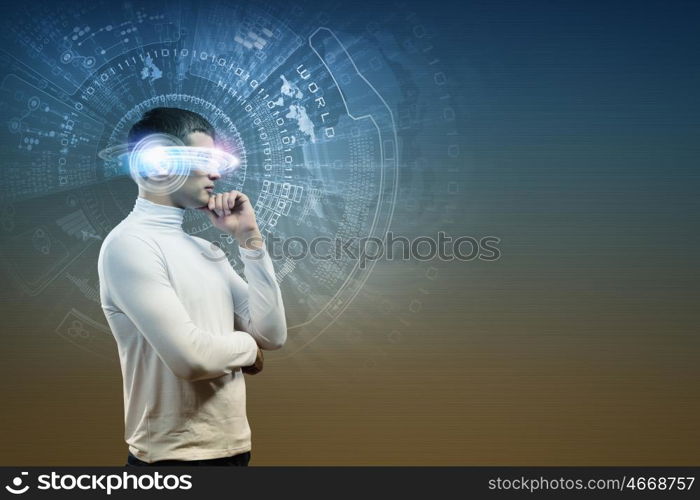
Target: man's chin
{"x": 202, "y": 201}
{"x": 195, "y": 203}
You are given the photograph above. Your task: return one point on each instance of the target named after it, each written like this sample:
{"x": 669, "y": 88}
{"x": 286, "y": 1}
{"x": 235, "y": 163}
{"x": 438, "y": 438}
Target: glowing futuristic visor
{"x": 160, "y": 162}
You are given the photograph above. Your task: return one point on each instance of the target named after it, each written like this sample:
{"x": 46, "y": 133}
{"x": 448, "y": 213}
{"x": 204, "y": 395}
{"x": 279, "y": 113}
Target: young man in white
{"x": 187, "y": 325}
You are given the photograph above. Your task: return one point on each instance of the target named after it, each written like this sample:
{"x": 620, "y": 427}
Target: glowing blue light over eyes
{"x": 154, "y": 156}
{"x": 160, "y": 162}
{"x": 181, "y": 160}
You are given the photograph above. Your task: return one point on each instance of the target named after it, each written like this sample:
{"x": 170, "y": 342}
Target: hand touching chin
{"x": 233, "y": 213}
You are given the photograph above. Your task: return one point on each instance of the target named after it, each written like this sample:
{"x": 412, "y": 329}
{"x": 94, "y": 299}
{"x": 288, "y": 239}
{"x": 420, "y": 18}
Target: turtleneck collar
{"x": 159, "y": 214}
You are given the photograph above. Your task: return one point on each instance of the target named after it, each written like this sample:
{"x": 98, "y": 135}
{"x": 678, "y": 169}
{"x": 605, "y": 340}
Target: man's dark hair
{"x": 174, "y": 121}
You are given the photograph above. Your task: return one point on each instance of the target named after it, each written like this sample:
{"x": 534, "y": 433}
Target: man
{"x": 187, "y": 325}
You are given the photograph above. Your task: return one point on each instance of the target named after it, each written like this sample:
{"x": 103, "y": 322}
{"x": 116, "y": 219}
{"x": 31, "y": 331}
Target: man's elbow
{"x": 190, "y": 372}
{"x": 197, "y": 373}
{"x": 192, "y": 369}
{"x": 272, "y": 346}
{"x": 275, "y": 341}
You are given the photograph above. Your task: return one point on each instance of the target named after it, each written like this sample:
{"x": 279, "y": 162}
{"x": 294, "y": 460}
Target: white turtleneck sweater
{"x": 171, "y": 301}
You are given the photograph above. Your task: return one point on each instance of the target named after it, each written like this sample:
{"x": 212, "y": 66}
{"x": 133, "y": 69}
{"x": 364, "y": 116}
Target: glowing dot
{"x": 102, "y": 52}
{"x": 17, "y": 481}
{"x": 154, "y": 161}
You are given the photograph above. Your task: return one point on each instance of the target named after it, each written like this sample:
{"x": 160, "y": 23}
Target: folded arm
{"x": 139, "y": 285}
{"x": 258, "y": 307}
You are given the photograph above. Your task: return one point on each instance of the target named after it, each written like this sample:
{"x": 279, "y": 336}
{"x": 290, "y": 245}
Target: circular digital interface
{"x": 320, "y": 118}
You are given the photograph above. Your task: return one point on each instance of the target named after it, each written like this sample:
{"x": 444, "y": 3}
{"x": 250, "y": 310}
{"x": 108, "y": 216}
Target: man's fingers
{"x": 256, "y": 367}
{"x": 232, "y": 199}
{"x": 225, "y": 203}
{"x": 242, "y": 198}
{"x": 218, "y": 205}
{"x": 211, "y": 205}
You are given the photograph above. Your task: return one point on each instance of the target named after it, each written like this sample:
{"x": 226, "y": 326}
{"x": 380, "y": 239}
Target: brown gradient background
{"x": 539, "y": 358}
{"x": 579, "y": 346}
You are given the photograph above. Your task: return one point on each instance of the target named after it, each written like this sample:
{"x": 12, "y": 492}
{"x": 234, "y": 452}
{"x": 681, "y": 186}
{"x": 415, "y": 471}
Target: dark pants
{"x": 240, "y": 460}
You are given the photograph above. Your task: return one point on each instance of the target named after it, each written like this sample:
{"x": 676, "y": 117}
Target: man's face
{"x": 195, "y": 192}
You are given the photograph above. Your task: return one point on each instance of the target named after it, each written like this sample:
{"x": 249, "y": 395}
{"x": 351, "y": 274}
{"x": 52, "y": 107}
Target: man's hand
{"x": 255, "y": 367}
{"x": 232, "y": 212}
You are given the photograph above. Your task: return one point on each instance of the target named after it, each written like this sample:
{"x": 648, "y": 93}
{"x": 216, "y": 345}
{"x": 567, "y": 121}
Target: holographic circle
{"x": 33, "y": 103}
{"x": 160, "y": 163}
{"x": 15, "y": 125}
{"x": 149, "y": 169}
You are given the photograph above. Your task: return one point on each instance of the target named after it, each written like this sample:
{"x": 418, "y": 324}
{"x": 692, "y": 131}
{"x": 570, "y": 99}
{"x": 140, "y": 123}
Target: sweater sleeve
{"x": 258, "y": 307}
{"x": 140, "y": 287}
